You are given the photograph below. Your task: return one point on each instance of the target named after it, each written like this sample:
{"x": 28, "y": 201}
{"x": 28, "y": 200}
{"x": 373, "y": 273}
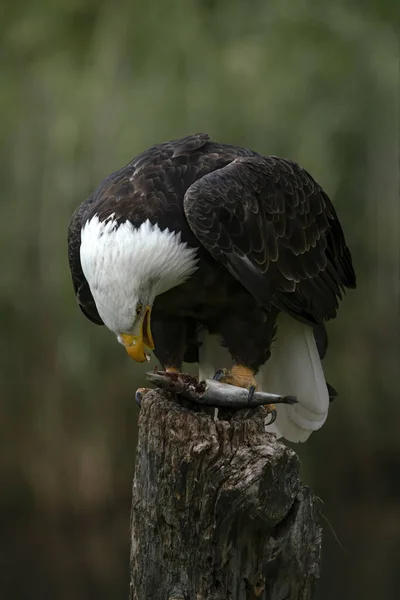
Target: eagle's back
{"x": 152, "y": 186}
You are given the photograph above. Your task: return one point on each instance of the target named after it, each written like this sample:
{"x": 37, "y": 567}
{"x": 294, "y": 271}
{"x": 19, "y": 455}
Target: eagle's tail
{"x": 295, "y": 369}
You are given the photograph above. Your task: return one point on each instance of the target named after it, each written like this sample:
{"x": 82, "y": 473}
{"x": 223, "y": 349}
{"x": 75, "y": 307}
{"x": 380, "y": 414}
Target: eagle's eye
{"x": 139, "y": 309}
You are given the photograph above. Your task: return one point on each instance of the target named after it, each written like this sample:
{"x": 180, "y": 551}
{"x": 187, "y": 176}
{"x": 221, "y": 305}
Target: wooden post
{"x": 218, "y": 509}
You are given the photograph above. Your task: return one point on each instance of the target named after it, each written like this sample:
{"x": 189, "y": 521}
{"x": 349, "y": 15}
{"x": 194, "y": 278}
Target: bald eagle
{"x": 213, "y": 254}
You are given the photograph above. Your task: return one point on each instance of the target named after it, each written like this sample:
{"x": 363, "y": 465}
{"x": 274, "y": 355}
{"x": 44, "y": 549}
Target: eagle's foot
{"x": 271, "y": 412}
{"x": 239, "y": 376}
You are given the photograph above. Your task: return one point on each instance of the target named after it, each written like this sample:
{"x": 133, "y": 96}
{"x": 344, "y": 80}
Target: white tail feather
{"x": 293, "y": 369}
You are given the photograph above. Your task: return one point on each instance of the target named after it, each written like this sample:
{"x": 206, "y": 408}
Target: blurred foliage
{"x": 84, "y": 87}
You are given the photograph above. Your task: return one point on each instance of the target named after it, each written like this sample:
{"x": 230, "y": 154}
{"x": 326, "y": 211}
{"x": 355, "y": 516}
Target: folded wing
{"x": 276, "y": 231}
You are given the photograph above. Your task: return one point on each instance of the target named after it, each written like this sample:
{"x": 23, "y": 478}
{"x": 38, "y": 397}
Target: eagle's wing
{"x": 82, "y": 291}
{"x": 276, "y": 231}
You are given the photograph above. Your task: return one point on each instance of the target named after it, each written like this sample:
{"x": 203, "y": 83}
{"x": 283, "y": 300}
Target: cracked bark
{"x": 218, "y": 509}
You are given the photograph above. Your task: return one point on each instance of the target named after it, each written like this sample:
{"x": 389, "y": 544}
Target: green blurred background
{"x": 84, "y": 87}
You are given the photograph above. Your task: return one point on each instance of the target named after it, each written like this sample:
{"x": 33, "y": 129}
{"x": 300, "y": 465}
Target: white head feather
{"x": 125, "y": 266}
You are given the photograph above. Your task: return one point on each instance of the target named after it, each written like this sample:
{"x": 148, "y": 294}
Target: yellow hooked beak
{"x": 135, "y": 344}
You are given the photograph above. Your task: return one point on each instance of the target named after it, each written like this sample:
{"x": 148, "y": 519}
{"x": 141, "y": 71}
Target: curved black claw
{"x": 218, "y": 375}
{"x": 272, "y": 418}
{"x": 138, "y": 398}
{"x": 252, "y": 389}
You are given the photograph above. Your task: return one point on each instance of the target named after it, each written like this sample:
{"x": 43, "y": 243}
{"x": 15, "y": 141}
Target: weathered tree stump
{"x": 218, "y": 509}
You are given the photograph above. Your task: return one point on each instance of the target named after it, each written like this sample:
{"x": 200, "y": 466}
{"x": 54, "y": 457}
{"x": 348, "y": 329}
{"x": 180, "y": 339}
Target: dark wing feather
{"x": 276, "y": 231}
{"x": 152, "y": 185}
{"x": 81, "y": 286}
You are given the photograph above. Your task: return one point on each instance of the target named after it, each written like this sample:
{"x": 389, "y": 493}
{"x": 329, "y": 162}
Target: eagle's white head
{"x": 126, "y": 268}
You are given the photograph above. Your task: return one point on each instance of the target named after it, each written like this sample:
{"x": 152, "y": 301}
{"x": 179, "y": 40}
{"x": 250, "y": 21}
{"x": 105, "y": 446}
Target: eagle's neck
{"x": 123, "y": 264}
